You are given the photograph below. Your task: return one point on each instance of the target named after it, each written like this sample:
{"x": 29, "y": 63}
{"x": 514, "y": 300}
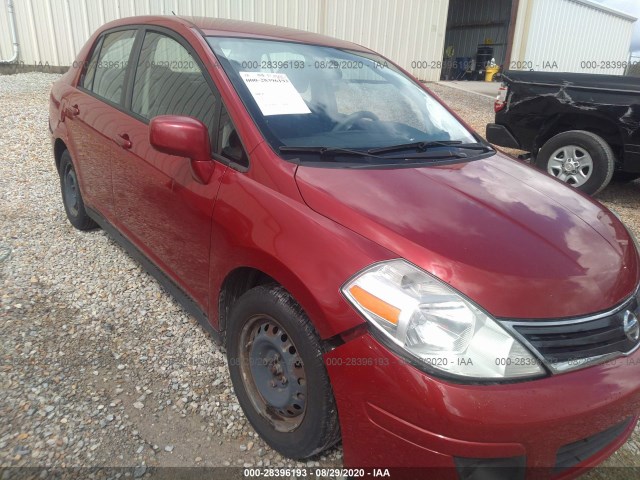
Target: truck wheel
{"x": 579, "y": 158}
{"x": 71, "y": 197}
{"x": 278, "y": 373}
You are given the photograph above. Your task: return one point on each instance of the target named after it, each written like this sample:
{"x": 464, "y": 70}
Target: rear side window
{"x": 90, "y": 69}
{"x": 111, "y": 65}
{"x": 168, "y": 81}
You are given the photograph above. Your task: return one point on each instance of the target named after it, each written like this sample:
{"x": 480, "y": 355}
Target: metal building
{"x": 424, "y": 36}
{"x": 52, "y": 31}
{"x": 582, "y": 36}
{"x": 579, "y": 36}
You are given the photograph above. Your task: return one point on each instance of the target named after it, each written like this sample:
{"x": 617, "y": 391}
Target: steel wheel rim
{"x": 273, "y": 373}
{"x": 71, "y": 193}
{"x": 571, "y": 164}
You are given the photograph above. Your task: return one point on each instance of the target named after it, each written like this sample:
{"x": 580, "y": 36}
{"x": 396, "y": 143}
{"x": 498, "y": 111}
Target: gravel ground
{"x": 99, "y": 367}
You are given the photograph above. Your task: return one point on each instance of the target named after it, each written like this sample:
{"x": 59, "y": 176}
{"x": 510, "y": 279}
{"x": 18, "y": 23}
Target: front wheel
{"x": 277, "y": 370}
{"x": 579, "y": 158}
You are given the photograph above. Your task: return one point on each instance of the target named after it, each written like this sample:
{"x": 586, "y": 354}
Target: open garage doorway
{"x": 479, "y": 34}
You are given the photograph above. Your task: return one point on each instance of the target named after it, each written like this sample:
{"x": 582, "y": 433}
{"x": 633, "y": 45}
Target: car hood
{"x": 517, "y": 242}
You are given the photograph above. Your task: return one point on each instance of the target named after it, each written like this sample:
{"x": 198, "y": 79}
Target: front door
{"x": 159, "y": 203}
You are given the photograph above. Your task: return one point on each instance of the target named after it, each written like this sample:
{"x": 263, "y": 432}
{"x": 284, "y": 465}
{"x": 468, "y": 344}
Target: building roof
{"x": 604, "y": 8}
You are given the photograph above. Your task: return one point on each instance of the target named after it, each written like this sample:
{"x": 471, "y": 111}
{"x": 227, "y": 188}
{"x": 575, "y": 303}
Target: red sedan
{"x": 378, "y": 272}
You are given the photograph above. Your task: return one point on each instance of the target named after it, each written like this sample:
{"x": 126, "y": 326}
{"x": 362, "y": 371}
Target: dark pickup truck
{"x": 580, "y": 128}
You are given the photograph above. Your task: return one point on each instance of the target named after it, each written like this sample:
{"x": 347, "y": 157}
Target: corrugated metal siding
{"x": 410, "y": 32}
{"x": 52, "y": 31}
{"x": 5, "y": 38}
{"x": 569, "y": 36}
{"x": 483, "y": 15}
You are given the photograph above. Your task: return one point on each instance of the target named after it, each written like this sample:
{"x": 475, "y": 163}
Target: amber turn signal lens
{"x": 372, "y": 303}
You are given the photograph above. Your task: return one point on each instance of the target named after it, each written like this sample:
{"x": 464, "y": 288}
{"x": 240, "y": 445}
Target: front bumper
{"x": 393, "y": 415}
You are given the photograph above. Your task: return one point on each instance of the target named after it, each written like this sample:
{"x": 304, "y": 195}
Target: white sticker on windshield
{"x": 274, "y": 93}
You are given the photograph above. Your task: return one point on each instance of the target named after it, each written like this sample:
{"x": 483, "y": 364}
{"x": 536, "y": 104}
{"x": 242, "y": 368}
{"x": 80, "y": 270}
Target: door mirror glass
{"x": 180, "y": 136}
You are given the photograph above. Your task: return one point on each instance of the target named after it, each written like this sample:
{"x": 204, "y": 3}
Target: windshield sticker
{"x": 274, "y": 93}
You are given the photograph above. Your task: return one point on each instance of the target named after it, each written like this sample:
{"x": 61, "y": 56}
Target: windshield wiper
{"x": 326, "y": 150}
{"x": 424, "y": 146}
{"x": 322, "y": 151}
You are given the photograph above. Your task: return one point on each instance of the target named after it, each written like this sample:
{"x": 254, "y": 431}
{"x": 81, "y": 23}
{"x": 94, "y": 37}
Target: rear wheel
{"x": 278, "y": 374}
{"x": 71, "y": 196}
{"x": 579, "y": 158}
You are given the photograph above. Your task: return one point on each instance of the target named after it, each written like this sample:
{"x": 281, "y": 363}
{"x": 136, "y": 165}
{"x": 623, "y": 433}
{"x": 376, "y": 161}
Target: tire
{"x": 579, "y": 158}
{"x": 270, "y": 338}
{"x": 71, "y": 196}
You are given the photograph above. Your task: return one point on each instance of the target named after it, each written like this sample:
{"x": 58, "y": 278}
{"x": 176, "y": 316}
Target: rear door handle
{"x": 122, "y": 139}
{"x": 73, "y": 111}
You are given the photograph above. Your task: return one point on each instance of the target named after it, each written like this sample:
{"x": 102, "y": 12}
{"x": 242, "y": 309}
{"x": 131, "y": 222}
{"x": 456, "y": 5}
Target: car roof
{"x": 237, "y": 28}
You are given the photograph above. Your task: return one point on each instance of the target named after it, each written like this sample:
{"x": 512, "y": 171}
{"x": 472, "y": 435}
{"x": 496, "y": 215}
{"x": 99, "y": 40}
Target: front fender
{"x": 309, "y": 255}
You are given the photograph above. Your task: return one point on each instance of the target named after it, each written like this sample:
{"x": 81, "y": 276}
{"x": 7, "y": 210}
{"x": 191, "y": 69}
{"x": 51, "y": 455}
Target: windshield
{"x": 314, "y": 96}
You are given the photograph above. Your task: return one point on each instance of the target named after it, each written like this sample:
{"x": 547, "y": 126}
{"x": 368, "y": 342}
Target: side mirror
{"x": 183, "y": 137}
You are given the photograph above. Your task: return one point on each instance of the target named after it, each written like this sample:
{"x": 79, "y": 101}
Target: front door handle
{"x": 123, "y": 140}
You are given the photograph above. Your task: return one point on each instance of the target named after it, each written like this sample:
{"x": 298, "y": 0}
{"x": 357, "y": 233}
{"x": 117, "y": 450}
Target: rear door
{"x": 159, "y": 203}
{"x": 91, "y": 114}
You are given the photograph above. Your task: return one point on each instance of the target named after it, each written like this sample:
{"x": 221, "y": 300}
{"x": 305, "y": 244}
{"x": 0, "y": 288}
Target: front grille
{"x": 570, "y": 344}
{"x": 574, "y": 453}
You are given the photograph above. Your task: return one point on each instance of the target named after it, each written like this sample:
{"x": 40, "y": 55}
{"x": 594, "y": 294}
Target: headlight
{"x": 435, "y": 325}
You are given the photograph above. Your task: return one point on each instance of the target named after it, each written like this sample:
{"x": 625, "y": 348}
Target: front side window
{"x": 168, "y": 81}
{"x": 109, "y": 71}
{"x": 322, "y": 97}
